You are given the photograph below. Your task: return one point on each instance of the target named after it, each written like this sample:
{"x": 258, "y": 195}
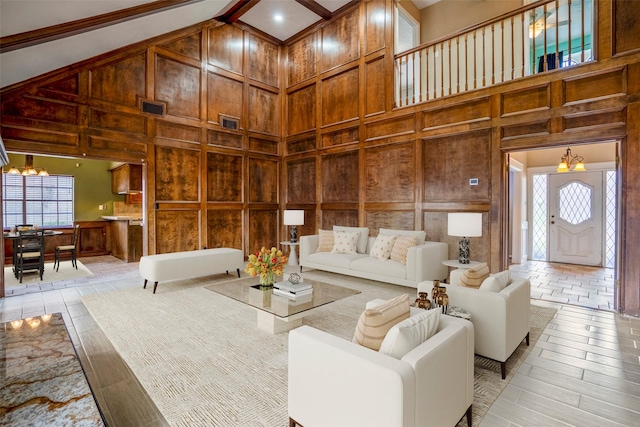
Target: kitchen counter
{"x": 126, "y": 237}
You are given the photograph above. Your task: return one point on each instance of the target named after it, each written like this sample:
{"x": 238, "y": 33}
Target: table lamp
{"x": 293, "y": 218}
{"x": 463, "y": 225}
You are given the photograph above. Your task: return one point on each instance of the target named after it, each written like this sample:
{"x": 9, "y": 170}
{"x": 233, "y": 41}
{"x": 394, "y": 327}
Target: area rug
{"x": 203, "y": 362}
{"x": 30, "y": 278}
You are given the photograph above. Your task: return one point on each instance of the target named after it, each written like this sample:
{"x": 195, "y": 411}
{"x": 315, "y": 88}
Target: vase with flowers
{"x": 266, "y": 263}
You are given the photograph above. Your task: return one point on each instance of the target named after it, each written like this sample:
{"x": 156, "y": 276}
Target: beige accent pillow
{"x": 473, "y": 277}
{"x": 345, "y": 242}
{"x": 374, "y": 323}
{"x": 401, "y": 248}
{"x": 410, "y": 333}
{"x": 496, "y": 282}
{"x": 382, "y": 246}
{"x": 363, "y": 238}
{"x": 325, "y": 243}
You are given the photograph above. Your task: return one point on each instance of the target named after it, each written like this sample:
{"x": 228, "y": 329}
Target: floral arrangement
{"x": 266, "y": 263}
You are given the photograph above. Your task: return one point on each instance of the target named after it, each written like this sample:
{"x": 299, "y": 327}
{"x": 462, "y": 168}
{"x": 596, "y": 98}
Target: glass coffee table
{"x": 278, "y": 313}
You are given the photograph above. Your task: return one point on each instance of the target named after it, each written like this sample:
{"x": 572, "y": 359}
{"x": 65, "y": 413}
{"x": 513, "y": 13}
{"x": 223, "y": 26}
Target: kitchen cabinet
{"x": 126, "y": 179}
{"x": 126, "y": 240}
{"x": 93, "y": 238}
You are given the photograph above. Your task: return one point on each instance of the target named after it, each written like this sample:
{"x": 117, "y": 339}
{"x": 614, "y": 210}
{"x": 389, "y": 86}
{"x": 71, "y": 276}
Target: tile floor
{"x": 583, "y": 371}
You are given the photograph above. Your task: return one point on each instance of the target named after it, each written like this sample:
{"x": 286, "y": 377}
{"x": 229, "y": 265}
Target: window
{"x": 44, "y": 201}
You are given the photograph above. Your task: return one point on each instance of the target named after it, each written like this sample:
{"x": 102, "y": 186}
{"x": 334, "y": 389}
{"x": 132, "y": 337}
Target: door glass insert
{"x": 610, "y": 220}
{"x": 575, "y": 203}
{"x": 539, "y": 218}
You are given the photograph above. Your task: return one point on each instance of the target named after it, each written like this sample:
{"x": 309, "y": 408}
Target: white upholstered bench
{"x": 189, "y": 264}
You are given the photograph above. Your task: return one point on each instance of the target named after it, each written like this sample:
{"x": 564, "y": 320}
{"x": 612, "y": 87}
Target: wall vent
{"x": 152, "y": 108}
{"x": 228, "y": 123}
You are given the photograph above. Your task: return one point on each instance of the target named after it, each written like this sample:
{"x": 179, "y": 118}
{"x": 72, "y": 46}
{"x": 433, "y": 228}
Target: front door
{"x": 575, "y": 218}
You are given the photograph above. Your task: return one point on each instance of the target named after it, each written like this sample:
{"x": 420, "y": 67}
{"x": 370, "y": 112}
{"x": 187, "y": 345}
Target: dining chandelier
{"x": 28, "y": 168}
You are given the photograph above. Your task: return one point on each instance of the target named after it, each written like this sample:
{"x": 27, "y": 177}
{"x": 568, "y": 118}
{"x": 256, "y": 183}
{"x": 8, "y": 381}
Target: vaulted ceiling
{"x": 38, "y": 36}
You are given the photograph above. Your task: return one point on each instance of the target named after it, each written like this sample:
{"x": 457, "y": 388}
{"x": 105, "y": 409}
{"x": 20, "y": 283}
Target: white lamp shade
{"x": 294, "y": 217}
{"x": 465, "y": 224}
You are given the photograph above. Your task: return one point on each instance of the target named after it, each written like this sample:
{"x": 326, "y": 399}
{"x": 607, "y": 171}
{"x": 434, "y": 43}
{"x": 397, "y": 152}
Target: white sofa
{"x": 334, "y": 382}
{"x": 500, "y": 319}
{"x": 424, "y": 261}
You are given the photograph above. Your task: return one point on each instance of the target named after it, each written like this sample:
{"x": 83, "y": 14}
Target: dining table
{"x": 13, "y": 236}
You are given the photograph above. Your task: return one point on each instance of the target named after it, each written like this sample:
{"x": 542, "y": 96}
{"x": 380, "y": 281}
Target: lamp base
{"x": 463, "y": 251}
{"x": 293, "y": 234}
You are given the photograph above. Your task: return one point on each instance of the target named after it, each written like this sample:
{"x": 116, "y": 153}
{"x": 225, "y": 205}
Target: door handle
{"x": 553, "y": 222}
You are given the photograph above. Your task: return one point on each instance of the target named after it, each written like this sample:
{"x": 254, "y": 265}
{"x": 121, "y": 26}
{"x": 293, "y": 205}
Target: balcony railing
{"x": 534, "y": 39}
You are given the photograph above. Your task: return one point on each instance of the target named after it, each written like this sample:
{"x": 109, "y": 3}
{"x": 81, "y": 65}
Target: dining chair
{"x": 68, "y": 249}
{"x": 30, "y": 254}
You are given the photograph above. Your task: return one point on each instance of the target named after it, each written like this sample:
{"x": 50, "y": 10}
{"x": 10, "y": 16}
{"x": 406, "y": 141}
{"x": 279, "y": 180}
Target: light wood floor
{"x": 583, "y": 371}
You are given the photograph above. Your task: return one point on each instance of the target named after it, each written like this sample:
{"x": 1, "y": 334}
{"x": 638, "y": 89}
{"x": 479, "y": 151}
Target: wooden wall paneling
{"x": 121, "y": 82}
{"x": 264, "y": 111}
{"x": 598, "y": 119}
{"x": 263, "y": 180}
{"x": 450, "y": 161}
{"x": 224, "y": 228}
{"x": 177, "y": 174}
{"x": 310, "y": 226}
{"x": 264, "y": 60}
{"x": 36, "y": 111}
{"x": 113, "y": 145}
{"x": 340, "y": 177}
{"x": 375, "y": 76}
{"x": 66, "y": 88}
{"x": 117, "y": 122}
{"x": 224, "y": 177}
{"x": 534, "y": 129}
{"x": 340, "y": 41}
{"x": 301, "y": 180}
{"x": 301, "y": 144}
{"x": 348, "y": 218}
{"x": 189, "y": 46}
{"x": 395, "y": 126}
{"x": 467, "y": 112}
{"x": 529, "y": 99}
{"x": 178, "y": 85}
{"x": 224, "y": 96}
{"x": 226, "y": 51}
{"x": 340, "y": 97}
{"x": 593, "y": 86}
{"x": 375, "y": 24}
{"x": 177, "y": 230}
{"x": 224, "y": 139}
{"x": 435, "y": 225}
{"x": 177, "y": 132}
{"x": 390, "y": 174}
{"x": 302, "y": 59}
{"x": 263, "y": 145}
{"x": 397, "y": 220}
{"x": 626, "y": 21}
{"x": 347, "y": 135}
{"x": 301, "y": 110}
{"x": 263, "y": 229}
{"x": 15, "y": 138}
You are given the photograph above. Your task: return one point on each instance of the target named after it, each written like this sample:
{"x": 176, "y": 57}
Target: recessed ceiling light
{"x": 278, "y": 17}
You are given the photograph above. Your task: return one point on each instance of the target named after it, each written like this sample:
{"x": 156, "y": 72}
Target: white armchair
{"x": 500, "y": 319}
{"x": 334, "y": 382}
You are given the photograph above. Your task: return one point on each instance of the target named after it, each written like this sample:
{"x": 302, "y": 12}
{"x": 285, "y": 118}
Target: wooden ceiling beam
{"x": 316, "y": 8}
{"x": 56, "y": 32}
{"x": 236, "y": 11}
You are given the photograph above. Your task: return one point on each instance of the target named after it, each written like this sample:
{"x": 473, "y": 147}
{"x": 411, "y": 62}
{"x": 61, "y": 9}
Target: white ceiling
{"x": 17, "y": 16}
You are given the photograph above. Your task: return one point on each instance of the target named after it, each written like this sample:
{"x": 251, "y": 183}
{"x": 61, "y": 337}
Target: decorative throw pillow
{"x": 363, "y": 239}
{"x": 496, "y": 282}
{"x": 325, "y": 243}
{"x": 410, "y": 333}
{"x": 344, "y": 242}
{"x": 473, "y": 277}
{"x": 374, "y": 323}
{"x": 401, "y": 248}
{"x": 382, "y": 246}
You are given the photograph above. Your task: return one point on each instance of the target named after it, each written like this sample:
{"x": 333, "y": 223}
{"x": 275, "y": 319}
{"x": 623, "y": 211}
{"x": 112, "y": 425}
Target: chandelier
{"x": 28, "y": 168}
{"x": 568, "y": 160}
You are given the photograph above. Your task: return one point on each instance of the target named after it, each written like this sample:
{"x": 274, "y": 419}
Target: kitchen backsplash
{"x": 123, "y": 209}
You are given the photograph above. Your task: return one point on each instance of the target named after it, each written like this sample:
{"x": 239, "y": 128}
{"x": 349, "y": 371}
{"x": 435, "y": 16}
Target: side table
{"x": 293, "y": 257}
{"x": 456, "y": 264}
{"x": 458, "y": 312}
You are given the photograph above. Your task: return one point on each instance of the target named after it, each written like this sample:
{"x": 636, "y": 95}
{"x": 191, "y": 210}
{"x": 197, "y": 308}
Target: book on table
{"x": 293, "y": 288}
{"x": 307, "y": 293}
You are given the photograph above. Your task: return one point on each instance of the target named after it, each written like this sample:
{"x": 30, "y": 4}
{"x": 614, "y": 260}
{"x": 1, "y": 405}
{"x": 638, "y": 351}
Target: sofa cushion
{"x": 374, "y": 323}
{"x": 410, "y": 333}
{"x": 473, "y": 277}
{"x": 401, "y": 248}
{"x": 374, "y": 266}
{"x": 335, "y": 260}
{"x": 420, "y": 235}
{"x": 363, "y": 239}
{"x": 345, "y": 242}
{"x": 496, "y": 282}
{"x": 383, "y": 246}
{"x": 325, "y": 240}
